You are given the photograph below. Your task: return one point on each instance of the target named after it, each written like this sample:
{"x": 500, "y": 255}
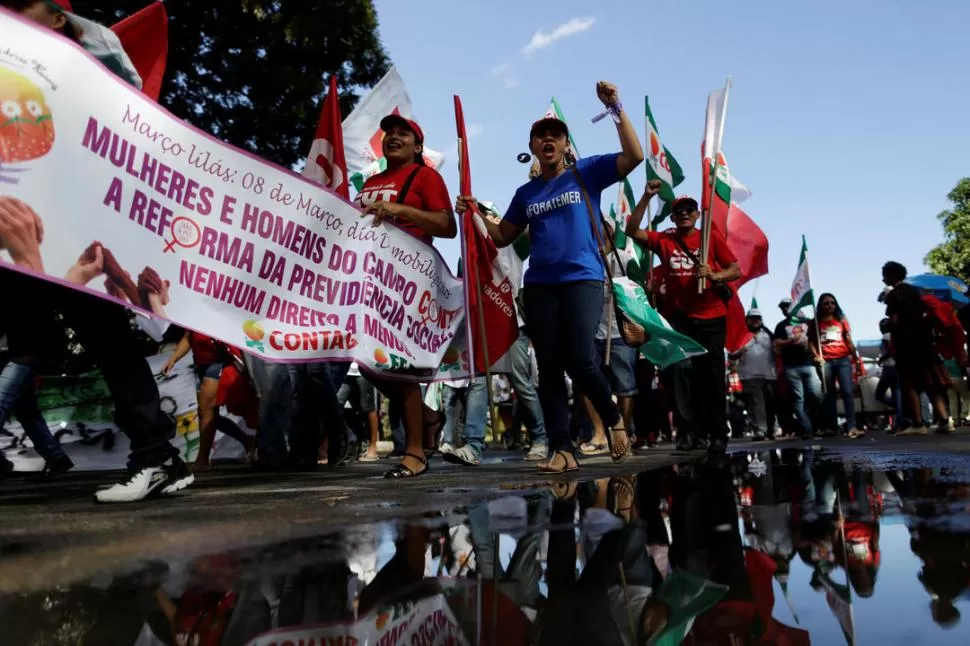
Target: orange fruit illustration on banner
{"x": 382, "y": 620}
{"x": 380, "y": 356}
{"x": 26, "y": 123}
{"x": 253, "y": 330}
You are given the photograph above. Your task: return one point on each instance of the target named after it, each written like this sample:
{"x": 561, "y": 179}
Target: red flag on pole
{"x": 326, "y": 163}
{"x": 144, "y": 37}
{"x": 486, "y": 287}
{"x": 745, "y": 239}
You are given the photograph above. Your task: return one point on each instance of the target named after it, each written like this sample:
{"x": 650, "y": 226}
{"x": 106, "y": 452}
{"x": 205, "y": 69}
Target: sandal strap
{"x": 422, "y": 459}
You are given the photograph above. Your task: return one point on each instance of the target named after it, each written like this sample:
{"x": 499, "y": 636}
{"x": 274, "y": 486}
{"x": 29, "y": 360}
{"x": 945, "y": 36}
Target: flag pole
{"x": 706, "y": 222}
{"x": 481, "y": 321}
{"x": 649, "y": 267}
{"x": 818, "y": 333}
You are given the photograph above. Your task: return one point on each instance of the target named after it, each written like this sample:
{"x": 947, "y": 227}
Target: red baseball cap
{"x": 392, "y": 120}
{"x": 684, "y": 201}
{"x": 548, "y": 123}
{"x": 63, "y": 5}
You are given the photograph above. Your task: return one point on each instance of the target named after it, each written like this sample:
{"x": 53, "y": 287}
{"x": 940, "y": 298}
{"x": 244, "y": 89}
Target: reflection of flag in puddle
{"x": 839, "y": 598}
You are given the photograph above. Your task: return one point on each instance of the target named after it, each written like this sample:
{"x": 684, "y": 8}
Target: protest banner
{"x": 428, "y": 621}
{"x": 220, "y": 241}
{"x": 80, "y": 413}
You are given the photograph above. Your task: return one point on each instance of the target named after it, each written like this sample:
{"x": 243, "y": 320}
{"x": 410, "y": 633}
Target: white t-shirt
{"x": 758, "y": 360}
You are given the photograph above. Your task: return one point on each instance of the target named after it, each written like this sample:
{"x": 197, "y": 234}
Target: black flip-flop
{"x": 400, "y": 471}
{"x": 565, "y": 469}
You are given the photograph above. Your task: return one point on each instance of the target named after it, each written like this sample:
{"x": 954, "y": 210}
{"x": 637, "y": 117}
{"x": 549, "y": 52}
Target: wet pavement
{"x": 841, "y": 543}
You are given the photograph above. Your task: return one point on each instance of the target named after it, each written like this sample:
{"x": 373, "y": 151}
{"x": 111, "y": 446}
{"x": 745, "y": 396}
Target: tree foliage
{"x": 952, "y": 257}
{"x": 254, "y": 72}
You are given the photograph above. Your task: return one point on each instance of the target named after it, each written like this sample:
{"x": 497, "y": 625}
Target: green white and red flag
{"x": 363, "y": 134}
{"x": 661, "y": 165}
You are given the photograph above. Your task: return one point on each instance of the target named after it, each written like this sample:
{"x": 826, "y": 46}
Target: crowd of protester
{"x": 586, "y": 391}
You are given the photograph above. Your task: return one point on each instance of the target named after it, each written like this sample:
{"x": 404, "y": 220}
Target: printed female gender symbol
{"x": 185, "y": 233}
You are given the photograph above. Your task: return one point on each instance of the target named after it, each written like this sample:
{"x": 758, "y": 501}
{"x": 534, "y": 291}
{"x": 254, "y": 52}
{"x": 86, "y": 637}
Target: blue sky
{"x": 848, "y": 120}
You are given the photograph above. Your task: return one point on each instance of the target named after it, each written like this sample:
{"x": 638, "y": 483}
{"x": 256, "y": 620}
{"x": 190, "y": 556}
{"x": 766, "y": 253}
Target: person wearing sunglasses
{"x": 699, "y": 385}
{"x": 830, "y": 340}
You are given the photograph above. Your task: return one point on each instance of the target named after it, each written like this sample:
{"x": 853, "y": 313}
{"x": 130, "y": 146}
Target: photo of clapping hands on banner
{"x": 22, "y": 233}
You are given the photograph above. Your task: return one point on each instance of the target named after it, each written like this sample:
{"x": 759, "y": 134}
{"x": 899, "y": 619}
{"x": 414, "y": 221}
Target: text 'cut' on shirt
{"x": 680, "y": 279}
{"x": 426, "y": 193}
{"x": 563, "y": 247}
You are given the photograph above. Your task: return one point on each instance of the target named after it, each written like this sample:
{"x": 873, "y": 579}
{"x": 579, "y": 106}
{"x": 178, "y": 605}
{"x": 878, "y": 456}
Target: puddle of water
{"x": 776, "y": 547}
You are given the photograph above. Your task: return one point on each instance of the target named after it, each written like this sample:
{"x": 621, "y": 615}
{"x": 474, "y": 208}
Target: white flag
{"x": 362, "y": 128}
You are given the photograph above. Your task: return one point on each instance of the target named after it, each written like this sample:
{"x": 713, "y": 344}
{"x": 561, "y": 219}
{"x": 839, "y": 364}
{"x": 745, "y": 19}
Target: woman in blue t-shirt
{"x": 564, "y": 282}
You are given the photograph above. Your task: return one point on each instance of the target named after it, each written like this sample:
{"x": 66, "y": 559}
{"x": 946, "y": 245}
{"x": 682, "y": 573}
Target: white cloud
{"x": 541, "y": 39}
{"x": 474, "y": 130}
{"x": 506, "y": 74}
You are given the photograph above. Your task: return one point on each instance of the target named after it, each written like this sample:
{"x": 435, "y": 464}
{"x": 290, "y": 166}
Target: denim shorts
{"x": 210, "y": 370}
{"x": 620, "y": 372}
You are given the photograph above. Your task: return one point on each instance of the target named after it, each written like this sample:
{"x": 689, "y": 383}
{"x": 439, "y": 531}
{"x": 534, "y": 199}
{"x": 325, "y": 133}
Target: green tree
{"x": 254, "y": 72}
{"x": 952, "y": 257}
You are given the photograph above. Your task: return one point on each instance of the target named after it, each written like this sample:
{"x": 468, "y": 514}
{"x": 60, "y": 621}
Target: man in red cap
{"x": 104, "y": 329}
{"x": 699, "y": 385}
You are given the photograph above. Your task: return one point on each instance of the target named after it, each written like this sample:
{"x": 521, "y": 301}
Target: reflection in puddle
{"x": 780, "y": 547}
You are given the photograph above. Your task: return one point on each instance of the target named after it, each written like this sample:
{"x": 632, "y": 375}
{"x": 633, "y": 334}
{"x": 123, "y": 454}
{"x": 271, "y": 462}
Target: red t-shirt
{"x": 204, "y": 349}
{"x": 427, "y": 193}
{"x": 832, "y": 336}
{"x": 680, "y": 278}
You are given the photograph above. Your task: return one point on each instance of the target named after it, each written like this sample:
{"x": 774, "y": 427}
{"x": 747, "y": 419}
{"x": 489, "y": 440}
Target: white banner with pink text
{"x": 135, "y": 205}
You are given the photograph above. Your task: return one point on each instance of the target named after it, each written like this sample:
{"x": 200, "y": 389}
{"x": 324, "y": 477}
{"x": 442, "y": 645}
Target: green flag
{"x": 688, "y": 596}
{"x": 661, "y": 165}
{"x": 802, "y": 294}
{"x": 754, "y": 303}
{"x": 555, "y": 111}
{"x": 664, "y": 346}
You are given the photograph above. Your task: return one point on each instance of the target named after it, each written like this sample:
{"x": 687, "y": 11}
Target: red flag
{"x": 737, "y": 326}
{"x": 144, "y": 37}
{"x": 326, "y": 163}
{"x": 482, "y": 276}
{"x": 745, "y": 239}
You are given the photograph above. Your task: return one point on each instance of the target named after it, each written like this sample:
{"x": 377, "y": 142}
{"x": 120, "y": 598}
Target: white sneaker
{"x": 446, "y": 448}
{"x": 179, "y": 477}
{"x": 137, "y": 486}
{"x": 465, "y": 456}
{"x": 946, "y": 428}
{"x": 537, "y": 453}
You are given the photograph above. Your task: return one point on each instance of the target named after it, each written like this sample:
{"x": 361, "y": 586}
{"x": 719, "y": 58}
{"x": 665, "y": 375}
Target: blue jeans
{"x": 475, "y": 407}
{"x": 562, "y": 320}
{"x": 17, "y": 396}
{"x": 528, "y": 400}
{"x": 804, "y": 384}
{"x": 839, "y": 370}
{"x": 889, "y": 383}
{"x": 274, "y": 383}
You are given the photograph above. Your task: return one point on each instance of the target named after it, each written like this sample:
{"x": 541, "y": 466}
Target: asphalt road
{"x": 52, "y": 533}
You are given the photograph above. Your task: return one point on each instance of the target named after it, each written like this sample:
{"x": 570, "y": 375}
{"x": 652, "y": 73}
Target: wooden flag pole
{"x": 706, "y": 217}
{"x": 481, "y": 323}
{"x": 649, "y": 267}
